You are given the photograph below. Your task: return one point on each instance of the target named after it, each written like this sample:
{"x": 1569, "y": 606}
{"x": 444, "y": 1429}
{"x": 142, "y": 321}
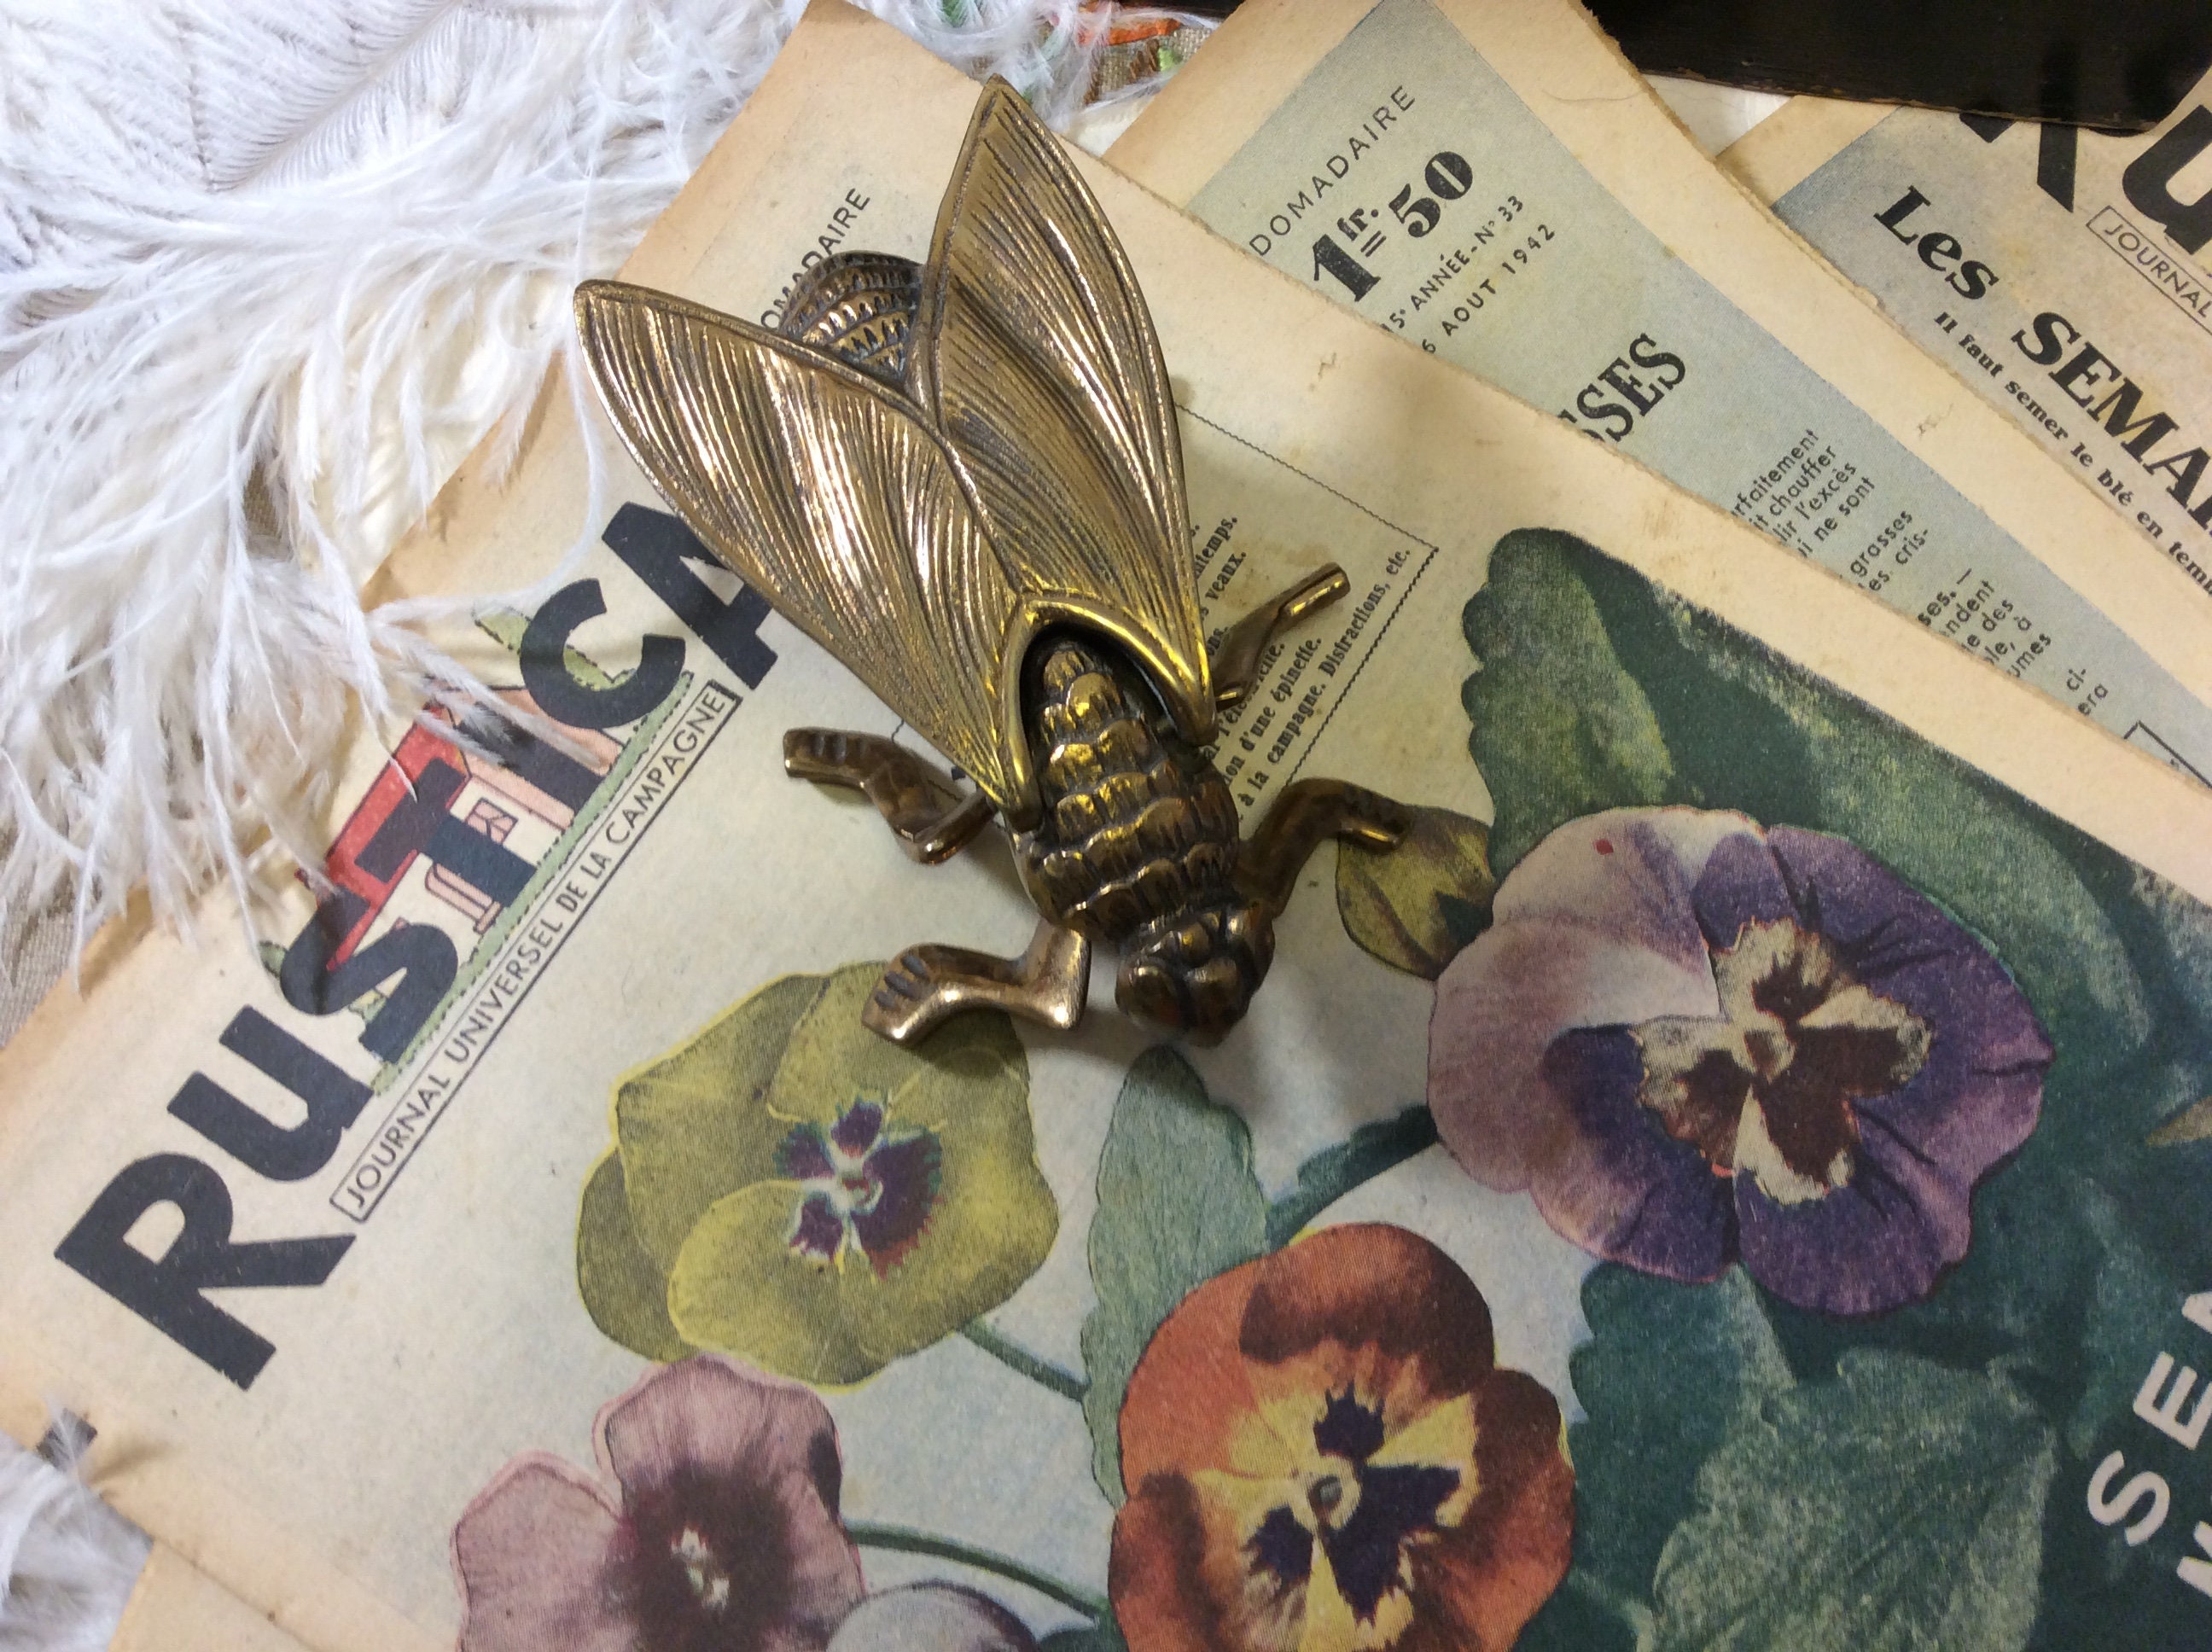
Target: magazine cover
{"x": 1490, "y": 180}
{"x": 1730, "y": 1170}
{"x": 2088, "y": 321}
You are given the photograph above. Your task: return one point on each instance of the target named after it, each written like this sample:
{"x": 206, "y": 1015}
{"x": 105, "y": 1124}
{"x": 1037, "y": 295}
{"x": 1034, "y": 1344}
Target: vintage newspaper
{"x": 2078, "y": 302}
{"x": 1491, "y": 180}
{"x": 1739, "y": 1162}
{"x": 177, "y": 1607}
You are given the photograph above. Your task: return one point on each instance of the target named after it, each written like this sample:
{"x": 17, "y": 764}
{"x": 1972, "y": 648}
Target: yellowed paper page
{"x": 433, "y": 1262}
{"x": 1489, "y": 179}
{"x": 1796, "y": 140}
{"x": 177, "y": 1607}
{"x": 2088, "y": 322}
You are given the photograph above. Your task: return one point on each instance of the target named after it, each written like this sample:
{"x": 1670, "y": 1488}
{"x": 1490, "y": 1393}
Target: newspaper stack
{"x": 1734, "y": 1175}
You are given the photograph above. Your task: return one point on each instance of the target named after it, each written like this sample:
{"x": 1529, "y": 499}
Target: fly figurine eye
{"x": 963, "y": 478}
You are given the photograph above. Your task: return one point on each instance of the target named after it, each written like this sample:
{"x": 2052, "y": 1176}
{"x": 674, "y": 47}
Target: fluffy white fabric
{"x": 268, "y": 269}
{"x": 68, "y": 1559}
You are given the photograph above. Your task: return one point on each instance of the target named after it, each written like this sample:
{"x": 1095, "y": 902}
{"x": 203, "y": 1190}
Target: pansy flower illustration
{"x": 790, "y": 1188}
{"x": 1695, "y": 1039}
{"x": 720, "y": 1529}
{"x": 1322, "y": 1455}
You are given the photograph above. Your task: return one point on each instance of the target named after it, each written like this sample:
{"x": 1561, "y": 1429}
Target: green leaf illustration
{"x": 1102, "y": 1636}
{"x": 1900, "y": 1506}
{"x": 1416, "y": 905}
{"x": 1369, "y": 1151}
{"x": 1668, "y": 1370}
{"x": 1177, "y": 1203}
{"x": 1561, "y": 728}
{"x": 1594, "y": 689}
{"x": 1597, "y": 691}
{"x": 1649, "y": 1431}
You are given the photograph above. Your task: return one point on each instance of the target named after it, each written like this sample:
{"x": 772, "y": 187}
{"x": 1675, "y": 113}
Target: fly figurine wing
{"x": 1028, "y": 474}
{"x": 827, "y": 493}
{"x": 1035, "y": 356}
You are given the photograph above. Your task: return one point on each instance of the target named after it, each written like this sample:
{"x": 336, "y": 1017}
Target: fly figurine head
{"x": 963, "y": 478}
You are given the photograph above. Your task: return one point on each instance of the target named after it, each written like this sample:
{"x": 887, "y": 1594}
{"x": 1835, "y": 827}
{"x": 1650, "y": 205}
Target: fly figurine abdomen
{"x": 964, "y": 479}
{"x": 1138, "y": 843}
{"x": 1140, "y": 848}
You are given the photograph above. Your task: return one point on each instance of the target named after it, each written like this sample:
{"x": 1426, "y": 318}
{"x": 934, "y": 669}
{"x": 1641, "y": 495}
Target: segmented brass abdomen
{"x": 859, "y": 308}
{"x": 1138, "y": 826}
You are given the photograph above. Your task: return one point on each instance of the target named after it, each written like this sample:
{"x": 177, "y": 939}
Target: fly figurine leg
{"x": 1306, "y": 815}
{"x": 932, "y": 817}
{"x": 933, "y": 821}
{"x": 1234, "y": 664}
{"x": 926, "y": 986}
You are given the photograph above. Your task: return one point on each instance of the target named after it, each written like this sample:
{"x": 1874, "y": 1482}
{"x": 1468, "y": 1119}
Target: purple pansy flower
{"x": 1695, "y": 1039}
{"x": 723, "y": 1536}
{"x": 802, "y": 1194}
{"x": 864, "y": 1187}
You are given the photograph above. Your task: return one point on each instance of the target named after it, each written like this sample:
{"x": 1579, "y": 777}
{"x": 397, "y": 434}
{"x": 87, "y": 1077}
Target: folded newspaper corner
{"x": 2061, "y": 275}
{"x": 1491, "y": 179}
{"x": 1735, "y": 1171}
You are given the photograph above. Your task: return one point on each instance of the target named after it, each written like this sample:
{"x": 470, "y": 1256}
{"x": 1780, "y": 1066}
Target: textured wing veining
{"x": 1037, "y": 360}
{"x": 827, "y": 493}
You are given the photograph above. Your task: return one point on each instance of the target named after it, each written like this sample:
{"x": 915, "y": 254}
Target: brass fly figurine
{"x": 964, "y": 480}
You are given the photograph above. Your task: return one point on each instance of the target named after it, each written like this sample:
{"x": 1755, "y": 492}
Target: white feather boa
{"x": 268, "y": 269}
{"x": 68, "y": 1559}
